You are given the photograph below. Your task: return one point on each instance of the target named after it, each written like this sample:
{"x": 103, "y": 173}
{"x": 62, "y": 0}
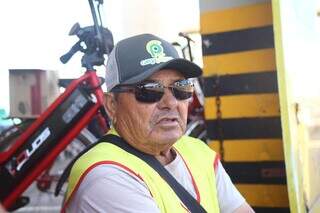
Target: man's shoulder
{"x": 194, "y": 148}
{"x": 112, "y": 172}
{"x": 100, "y": 149}
{"x": 188, "y": 141}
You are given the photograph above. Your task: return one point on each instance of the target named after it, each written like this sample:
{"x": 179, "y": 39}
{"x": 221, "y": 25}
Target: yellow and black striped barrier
{"x": 240, "y": 68}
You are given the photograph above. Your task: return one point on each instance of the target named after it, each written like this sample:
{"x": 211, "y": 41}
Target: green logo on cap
{"x": 155, "y": 49}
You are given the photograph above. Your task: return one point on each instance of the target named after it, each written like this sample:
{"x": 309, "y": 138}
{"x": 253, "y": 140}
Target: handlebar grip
{"x": 75, "y": 48}
{"x": 66, "y": 57}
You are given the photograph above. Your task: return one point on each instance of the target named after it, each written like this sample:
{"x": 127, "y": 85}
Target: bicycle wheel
{"x": 197, "y": 129}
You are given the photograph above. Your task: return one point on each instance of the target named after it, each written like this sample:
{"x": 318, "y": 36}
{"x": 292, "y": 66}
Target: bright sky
{"x": 35, "y": 32}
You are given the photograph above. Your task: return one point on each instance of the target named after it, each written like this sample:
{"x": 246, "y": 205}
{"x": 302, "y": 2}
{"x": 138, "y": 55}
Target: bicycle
{"x": 33, "y": 152}
{"x": 196, "y": 126}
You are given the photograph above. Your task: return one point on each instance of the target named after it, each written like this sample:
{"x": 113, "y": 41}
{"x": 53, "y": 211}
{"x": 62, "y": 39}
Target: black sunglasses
{"x": 151, "y": 91}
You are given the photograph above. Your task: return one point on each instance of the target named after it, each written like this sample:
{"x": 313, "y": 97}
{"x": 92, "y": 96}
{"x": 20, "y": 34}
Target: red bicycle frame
{"x": 24, "y": 150}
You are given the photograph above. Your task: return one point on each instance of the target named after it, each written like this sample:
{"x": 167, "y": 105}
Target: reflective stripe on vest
{"x": 198, "y": 157}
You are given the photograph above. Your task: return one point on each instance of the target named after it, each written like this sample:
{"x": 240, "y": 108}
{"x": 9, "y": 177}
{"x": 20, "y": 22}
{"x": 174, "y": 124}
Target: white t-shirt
{"x": 112, "y": 189}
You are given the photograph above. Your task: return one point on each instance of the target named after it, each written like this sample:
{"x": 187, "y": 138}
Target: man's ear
{"x": 110, "y": 105}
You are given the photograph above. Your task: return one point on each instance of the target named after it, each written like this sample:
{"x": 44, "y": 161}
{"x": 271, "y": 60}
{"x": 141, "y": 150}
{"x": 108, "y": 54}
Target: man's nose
{"x": 168, "y": 100}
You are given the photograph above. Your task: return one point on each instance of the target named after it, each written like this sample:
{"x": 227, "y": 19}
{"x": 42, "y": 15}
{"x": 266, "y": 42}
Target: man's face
{"x": 152, "y": 127}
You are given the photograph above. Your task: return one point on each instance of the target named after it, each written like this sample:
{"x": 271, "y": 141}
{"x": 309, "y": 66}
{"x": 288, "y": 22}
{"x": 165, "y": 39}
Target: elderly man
{"x": 148, "y": 95}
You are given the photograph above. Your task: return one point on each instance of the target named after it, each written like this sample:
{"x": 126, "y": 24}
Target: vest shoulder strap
{"x": 187, "y": 199}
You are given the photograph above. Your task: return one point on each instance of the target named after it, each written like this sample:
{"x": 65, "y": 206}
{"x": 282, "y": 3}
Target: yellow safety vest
{"x": 198, "y": 157}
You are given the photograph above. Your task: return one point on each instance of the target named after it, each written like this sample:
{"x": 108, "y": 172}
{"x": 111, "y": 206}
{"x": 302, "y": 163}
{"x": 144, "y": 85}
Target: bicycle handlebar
{"x": 184, "y": 35}
{"x": 98, "y": 41}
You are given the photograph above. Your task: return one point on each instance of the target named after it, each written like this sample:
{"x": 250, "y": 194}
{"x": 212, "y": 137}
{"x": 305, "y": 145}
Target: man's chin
{"x": 168, "y": 137}
{"x": 163, "y": 135}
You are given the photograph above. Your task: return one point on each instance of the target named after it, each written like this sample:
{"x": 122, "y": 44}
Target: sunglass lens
{"x": 148, "y": 95}
{"x": 181, "y": 95}
{"x": 183, "y": 89}
{"x": 153, "y": 92}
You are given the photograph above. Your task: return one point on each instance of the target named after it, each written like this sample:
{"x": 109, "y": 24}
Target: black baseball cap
{"x": 136, "y": 58}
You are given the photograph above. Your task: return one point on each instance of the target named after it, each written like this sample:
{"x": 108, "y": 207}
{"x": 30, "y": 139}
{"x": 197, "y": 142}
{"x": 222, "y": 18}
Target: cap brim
{"x": 185, "y": 67}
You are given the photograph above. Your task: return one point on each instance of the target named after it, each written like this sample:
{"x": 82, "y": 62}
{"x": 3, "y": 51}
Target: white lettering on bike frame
{"x": 25, "y": 155}
{"x": 74, "y": 109}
